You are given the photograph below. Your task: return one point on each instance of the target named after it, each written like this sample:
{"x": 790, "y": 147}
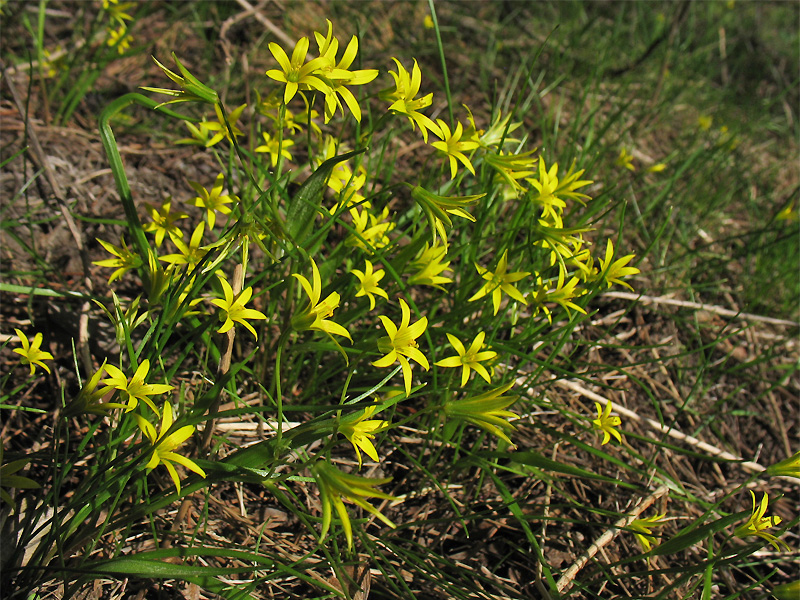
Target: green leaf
{"x": 306, "y": 202}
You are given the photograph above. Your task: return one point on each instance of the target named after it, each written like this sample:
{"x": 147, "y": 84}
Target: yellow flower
{"x": 214, "y": 201}
{"x": 371, "y": 231}
{"x": 704, "y": 122}
{"x": 406, "y": 87}
{"x": 552, "y": 192}
{"x": 469, "y": 359}
{"x": 315, "y": 314}
{"x": 125, "y": 261}
{"x": 499, "y": 282}
{"x": 192, "y": 254}
{"x": 368, "y": 283}
{"x": 219, "y": 128}
{"x": 163, "y": 453}
{"x": 487, "y": 411}
{"x": 625, "y": 160}
{"x": 360, "y": 432}
{"x": 643, "y": 530}
{"x": 335, "y": 487}
{"x": 613, "y": 272}
{"x": 452, "y": 146}
{"x": 338, "y": 75}
{"x": 274, "y": 148}
{"x": 605, "y": 423}
{"x": 428, "y": 266}
{"x": 233, "y": 309}
{"x": 400, "y": 344}
{"x": 31, "y": 351}
{"x": 296, "y": 73}
{"x": 164, "y": 221}
{"x": 757, "y": 524}
{"x": 136, "y": 389}
{"x": 788, "y": 467}
{"x": 564, "y": 292}
{"x": 118, "y": 38}
{"x": 89, "y": 398}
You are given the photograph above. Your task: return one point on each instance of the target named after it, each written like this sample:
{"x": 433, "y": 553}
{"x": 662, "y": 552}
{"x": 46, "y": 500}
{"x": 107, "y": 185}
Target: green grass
{"x": 549, "y": 516}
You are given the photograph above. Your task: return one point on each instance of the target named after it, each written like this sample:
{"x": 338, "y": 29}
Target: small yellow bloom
{"x": 643, "y": 530}
{"x": 118, "y": 38}
{"x": 335, "y": 487}
{"x": 564, "y": 293}
{"x": 368, "y": 283}
{"x": 427, "y": 22}
{"x": 605, "y": 423}
{"x": 125, "y": 261}
{"x": 89, "y": 398}
{"x": 190, "y": 254}
{"x": 404, "y": 101}
{"x": 551, "y": 189}
{"x": 163, "y": 222}
{"x": 135, "y": 389}
{"x": 704, "y": 122}
{"x": 31, "y": 351}
{"x": 401, "y": 344}
{"x": 360, "y": 430}
{"x": 469, "y": 359}
{"x": 274, "y": 149}
{"x": 625, "y": 160}
{"x": 758, "y": 524}
{"x": 656, "y": 168}
{"x": 371, "y": 231}
{"x": 613, "y": 272}
{"x": 213, "y": 201}
{"x": 296, "y": 73}
{"x": 163, "y": 452}
{"x": 233, "y": 309}
{"x": 452, "y": 146}
{"x": 338, "y": 75}
{"x": 788, "y": 467}
{"x": 316, "y": 314}
{"x": 499, "y": 282}
{"x": 428, "y": 266}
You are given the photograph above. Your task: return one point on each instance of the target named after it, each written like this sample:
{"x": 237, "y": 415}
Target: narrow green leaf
{"x": 306, "y": 202}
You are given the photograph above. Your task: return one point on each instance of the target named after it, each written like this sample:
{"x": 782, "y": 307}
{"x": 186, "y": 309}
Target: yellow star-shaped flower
{"x": 469, "y": 359}
{"x": 315, "y": 314}
{"x": 163, "y": 453}
{"x": 400, "y": 344}
{"x": 233, "y": 309}
{"x": 31, "y": 351}
{"x": 499, "y": 282}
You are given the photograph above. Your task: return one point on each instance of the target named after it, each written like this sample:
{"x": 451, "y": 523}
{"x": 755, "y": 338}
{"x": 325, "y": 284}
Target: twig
{"x": 266, "y": 22}
{"x": 724, "y": 312}
{"x": 569, "y": 575}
